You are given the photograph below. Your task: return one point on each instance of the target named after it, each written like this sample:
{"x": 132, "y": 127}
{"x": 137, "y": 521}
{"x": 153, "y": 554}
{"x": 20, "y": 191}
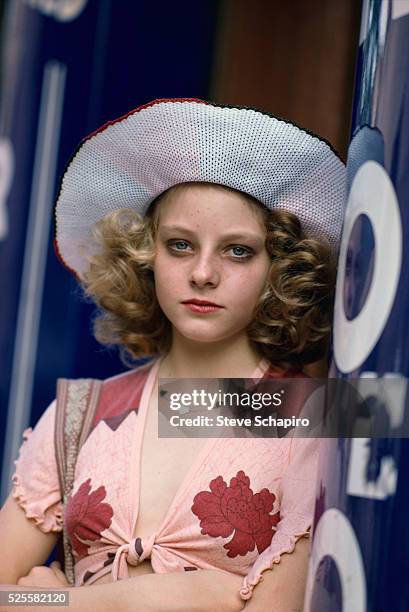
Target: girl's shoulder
{"x": 120, "y": 395}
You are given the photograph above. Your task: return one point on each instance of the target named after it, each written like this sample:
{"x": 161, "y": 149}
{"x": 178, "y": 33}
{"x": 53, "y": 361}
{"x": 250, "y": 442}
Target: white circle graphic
{"x": 335, "y": 537}
{"x": 372, "y": 193}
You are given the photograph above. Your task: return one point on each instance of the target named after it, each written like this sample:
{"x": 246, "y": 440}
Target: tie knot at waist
{"x": 138, "y": 552}
{"x": 132, "y": 553}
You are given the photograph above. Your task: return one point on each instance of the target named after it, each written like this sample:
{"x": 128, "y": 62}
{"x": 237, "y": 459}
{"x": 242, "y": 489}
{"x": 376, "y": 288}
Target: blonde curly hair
{"x": 291, "y": 322}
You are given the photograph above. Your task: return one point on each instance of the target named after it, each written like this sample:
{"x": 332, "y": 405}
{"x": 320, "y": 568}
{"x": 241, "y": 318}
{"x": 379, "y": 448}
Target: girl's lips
{"x": 201, "y": 307}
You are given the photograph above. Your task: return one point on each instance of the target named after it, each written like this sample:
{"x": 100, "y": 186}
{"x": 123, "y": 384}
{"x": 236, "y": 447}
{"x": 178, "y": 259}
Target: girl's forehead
{"x": 207, "y": 202}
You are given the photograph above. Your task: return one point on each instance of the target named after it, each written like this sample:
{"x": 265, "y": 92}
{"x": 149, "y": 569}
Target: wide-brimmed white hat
{"x": 129, "y": 162}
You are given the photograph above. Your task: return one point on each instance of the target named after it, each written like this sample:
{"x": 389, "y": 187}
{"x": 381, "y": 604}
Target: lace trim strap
{"x": 76, "y": 404}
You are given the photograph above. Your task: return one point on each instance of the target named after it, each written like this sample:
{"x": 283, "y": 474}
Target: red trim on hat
{"x": 62, "y": 260}
{"x": 139, "y": 108}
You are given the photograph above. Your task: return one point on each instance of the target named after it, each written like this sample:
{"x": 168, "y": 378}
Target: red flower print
{"x": 87, "y": 517}
{"x": 237, "y": 509}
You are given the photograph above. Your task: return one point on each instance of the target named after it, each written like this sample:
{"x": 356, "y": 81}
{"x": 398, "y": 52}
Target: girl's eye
{"x": 237, "y": 251}
{"x": 178, "y": 245}
{"x": 240, "y": 252}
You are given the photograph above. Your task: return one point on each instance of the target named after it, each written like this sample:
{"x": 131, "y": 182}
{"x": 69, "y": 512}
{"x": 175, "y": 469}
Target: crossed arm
{"x": 25, "y": 548}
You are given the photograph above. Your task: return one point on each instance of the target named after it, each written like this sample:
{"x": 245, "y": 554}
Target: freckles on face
{"x": 211, "y": 263}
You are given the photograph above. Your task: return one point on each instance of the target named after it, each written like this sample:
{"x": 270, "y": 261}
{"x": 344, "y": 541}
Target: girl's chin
{"x": 204, "y": 336}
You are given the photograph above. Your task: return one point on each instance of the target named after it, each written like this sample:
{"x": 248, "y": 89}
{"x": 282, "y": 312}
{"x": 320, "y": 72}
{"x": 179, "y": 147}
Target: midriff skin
{"x": 164, "y": 465}
{"x": 143, "y": 568}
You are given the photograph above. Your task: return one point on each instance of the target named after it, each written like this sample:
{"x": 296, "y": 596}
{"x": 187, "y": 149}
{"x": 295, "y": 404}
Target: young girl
{"x": 207, "y": 237}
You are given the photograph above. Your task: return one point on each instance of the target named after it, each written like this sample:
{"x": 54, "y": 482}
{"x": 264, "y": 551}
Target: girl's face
{"x": 211, "y": 263}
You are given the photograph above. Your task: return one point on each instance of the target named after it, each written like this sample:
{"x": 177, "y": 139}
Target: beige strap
{"x": 76, "y": 404}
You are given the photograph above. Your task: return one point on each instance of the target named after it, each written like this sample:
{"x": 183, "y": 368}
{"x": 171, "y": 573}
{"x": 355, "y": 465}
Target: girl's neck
{"x": 225, "y": 359}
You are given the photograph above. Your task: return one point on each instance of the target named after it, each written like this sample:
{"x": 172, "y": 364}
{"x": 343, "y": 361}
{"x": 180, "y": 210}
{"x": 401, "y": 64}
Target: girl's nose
{"x": 204, "y": 273}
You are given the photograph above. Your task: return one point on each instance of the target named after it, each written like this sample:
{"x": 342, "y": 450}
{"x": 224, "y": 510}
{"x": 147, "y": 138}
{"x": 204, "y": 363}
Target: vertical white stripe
{"x": 35, "y": 257}
{"x": 364, "y": 21}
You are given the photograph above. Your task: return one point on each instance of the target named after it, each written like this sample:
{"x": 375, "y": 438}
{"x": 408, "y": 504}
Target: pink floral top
{"x": 243, "y": 503}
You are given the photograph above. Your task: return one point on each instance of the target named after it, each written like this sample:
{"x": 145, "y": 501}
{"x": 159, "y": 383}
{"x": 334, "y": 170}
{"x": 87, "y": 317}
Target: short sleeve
{"x": 297, "y": 502}
{"x": 36, "y": 485}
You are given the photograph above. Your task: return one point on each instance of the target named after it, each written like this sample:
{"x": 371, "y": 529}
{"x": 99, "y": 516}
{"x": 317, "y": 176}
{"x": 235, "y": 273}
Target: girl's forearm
{"x": 199, "y": 591}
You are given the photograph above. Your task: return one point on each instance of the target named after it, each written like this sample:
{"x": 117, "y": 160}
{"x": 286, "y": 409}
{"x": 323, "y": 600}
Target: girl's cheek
{"x": 244, "y": 274}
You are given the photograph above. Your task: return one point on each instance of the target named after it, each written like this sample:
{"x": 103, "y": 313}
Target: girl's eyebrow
{"x": 236, "y": 235}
